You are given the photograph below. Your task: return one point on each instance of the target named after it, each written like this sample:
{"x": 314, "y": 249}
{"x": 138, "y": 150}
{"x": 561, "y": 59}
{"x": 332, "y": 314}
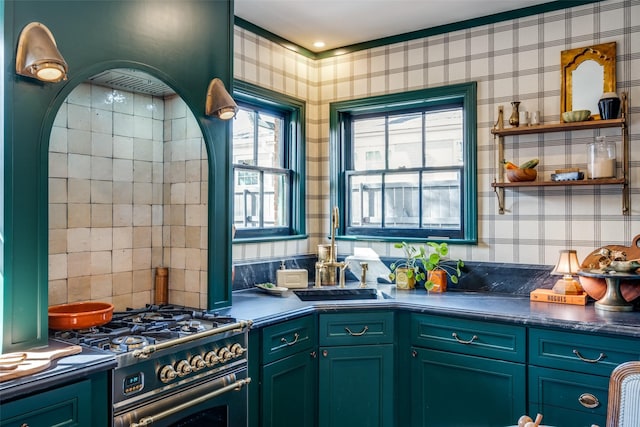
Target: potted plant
{"x": 410, "y": 269}
{"x": 437, "y": 272}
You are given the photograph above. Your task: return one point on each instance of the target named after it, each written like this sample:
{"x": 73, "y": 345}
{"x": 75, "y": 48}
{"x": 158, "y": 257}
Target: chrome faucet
{"x": 324, "y": 265}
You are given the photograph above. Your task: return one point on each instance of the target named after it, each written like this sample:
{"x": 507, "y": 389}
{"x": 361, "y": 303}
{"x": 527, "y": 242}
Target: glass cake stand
{"x": 612, "y": 299}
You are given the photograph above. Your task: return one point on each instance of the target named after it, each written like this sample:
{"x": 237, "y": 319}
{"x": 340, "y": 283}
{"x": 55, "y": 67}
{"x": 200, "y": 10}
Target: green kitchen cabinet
{"x": 466, "y": 373}
{"x": 287, "y": 375}
{"x": 356, "y": 369}
{"x": 569, "y": 374}
{"x": 80, "y": 403}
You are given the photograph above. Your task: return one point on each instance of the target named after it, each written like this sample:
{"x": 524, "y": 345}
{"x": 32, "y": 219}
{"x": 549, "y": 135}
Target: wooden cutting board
{"x": 37, "y": 361}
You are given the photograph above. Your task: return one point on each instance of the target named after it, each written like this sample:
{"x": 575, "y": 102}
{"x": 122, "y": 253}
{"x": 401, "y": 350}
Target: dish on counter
{"x": 272, "y": 289}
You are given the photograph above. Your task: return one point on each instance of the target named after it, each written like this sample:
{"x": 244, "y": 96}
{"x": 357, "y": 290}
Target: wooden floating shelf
{"x": 559, "y": 127}
{"x": 606, "y": 181}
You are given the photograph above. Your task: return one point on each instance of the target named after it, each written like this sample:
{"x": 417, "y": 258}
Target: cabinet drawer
{"x": 65, "y": 406}
{"x": 585, "y": 353}
{"x": 356, "y": 328}
{"x": 287, "y": 338}
{"x": 494, "y": 340}
{"x": 570, "y": 391}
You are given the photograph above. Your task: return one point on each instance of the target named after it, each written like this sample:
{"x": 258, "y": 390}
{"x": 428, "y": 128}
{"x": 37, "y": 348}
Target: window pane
{"x": 368, "y": 144}
{"x": 405, "y": 141}
{"x": 243, "y": 137}
{"x": 247, "y": 203}
{"x": 365, "y": 201}
{"x": 402, "y": 200}
{"x": 269, "y": 140}
{"x": 441, "y": 197}
{"x": 443, "y": 133}
{"x": 276, "y": 194}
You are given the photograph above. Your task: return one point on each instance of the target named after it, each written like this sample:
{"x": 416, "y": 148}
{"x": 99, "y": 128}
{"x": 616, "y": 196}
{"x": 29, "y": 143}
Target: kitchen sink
{"x": 323, "y": 294}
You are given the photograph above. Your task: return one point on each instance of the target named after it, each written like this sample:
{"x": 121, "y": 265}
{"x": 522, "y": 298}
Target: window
{"x": 268, "y": 164}
{"x": 405, "y": 164}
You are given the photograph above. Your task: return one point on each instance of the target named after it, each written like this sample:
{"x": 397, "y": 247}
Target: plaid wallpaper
{"x": 511, "y": 60}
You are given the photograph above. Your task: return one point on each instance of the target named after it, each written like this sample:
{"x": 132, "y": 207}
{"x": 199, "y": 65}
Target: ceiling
{"x": 341, "y": 23}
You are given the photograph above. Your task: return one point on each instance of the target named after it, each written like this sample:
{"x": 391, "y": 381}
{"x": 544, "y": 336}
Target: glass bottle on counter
{"x": 601, "y": 158}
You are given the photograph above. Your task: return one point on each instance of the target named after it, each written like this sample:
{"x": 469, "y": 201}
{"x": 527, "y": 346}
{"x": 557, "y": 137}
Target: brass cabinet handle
{"x": 473, "y": 338}
{"x": 584, "y": 359}
{"x": 357, "y": 334}
{"x": 295, "y": 339}
{"x": 588, "y": 400}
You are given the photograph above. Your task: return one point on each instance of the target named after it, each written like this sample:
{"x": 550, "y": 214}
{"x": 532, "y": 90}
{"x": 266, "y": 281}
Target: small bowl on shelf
{"x": 576, "y": 116}
{"x": 521, "y": 175}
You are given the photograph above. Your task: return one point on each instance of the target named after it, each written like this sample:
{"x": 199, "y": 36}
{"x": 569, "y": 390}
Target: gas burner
{"x": 190, "y": 327}
{"x": 129, "y": 342}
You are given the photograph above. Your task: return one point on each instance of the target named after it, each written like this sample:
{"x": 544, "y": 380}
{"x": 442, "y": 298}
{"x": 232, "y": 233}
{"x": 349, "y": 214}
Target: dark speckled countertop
{"x": 265, "y": 309}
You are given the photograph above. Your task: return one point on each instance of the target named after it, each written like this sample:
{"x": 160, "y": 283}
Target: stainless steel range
{"x": 176, "y": 366}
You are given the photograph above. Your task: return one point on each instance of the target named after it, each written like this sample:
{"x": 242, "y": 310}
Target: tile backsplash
{"x": 127, "y": 194}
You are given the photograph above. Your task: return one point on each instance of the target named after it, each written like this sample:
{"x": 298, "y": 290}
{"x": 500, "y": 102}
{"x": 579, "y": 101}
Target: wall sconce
{"x": 219, "y": 103}
{"x": 567, "y": 266}
{"x": 38, "y": 55}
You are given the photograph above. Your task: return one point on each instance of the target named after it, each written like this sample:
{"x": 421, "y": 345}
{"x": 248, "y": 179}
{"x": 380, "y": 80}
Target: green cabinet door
{"x": 356, "y": 386}
{"x": 459, "y": 390}
{"x": 289, "y": 391}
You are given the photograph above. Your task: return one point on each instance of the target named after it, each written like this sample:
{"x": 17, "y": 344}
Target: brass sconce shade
{"x": 567, "y": 266}
{"x": 219, "y": 103}
{"x": 38, "y": 55}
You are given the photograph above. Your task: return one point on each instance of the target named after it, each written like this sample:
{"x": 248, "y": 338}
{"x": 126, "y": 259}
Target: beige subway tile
{"x": 192, "y": 215}
{"x": 177, "y": 171}
{"x": 57, "y": 216}
{"x": 142, "y": 170}
{"x": 101, "y": 191}
{"x": 142, "y": 193}
{"x": 122, "y": 215}
{"x": 79, "y": 215}
{"x": 156, "y": 236}
{"x": 177, "y": 237}
{"x": 122, "y": 192}
{"x": 178, "y": 191}
{"x": 141, "y": 258}
{"x": 57, "y": 241}
{"x": 176, "y": 297}
{"x": 101, "y": 286}
{"x": 192, "y": 281}
{"x": 122, "y": 302}
{"x": 101, "y": 262}
{"x": 122, "y": 283}
{"x": 192, "y": 237}
{"x": 176, "y": 279}
{"x": 78, "y": 264}
{"x": 156, "y": 257}
{"x": 79, "y": 289}
{"x": 192, "y": 259}
{"x": 157, "y": 193}
{"x": 57, "y": 266}
{"x": 101, "y": 239}
{"x": 78, "y": 239}
{"x": 177, "y": 257}
{"x": 101, "y": 215}
{"x": 57, "y": 292}
{"x": 204, "y": 285}
{"x": 139, "y": 299}
{"x": 191, "y": 299}
{"x": 57, "y": 190}
{"x": 192, "y": 193}
{"x": 121, "y": 260}
{"x": 141, "y": 237}
{"x": 156, "y": 214}
{"x": 192, "y": 170}
{"x": 141, "y": 215}
{"x": 79, "y": 190}
{"x": 58, "y": 165}
{"x": 142, "y": 280}
{"x": 177, "y": 215}
{"x": 122, "y": 237}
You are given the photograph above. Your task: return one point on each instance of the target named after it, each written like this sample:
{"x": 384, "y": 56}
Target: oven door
{"x": 219, "y": 402}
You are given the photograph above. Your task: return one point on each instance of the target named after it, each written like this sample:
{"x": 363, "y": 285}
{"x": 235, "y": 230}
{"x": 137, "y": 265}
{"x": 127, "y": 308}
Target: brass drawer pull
{"x": 584, "y": 359}
{"x": 473, "y": 338}
{"x": 588, "y": 400}
{"x": 295, "y": 339}
{"x": 357, "y": 334}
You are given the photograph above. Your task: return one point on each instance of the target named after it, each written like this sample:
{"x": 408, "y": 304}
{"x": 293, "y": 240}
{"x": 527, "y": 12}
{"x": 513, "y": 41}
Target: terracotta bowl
{"x": 519, "y": 175}
{"x": 79, "y": 315}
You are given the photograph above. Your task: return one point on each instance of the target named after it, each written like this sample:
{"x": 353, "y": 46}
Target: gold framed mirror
{"x": 587, "y": 73}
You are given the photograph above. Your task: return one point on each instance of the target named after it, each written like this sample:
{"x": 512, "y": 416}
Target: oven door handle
{"x": 145, "y": 351}
{"x": 157, "y": 417}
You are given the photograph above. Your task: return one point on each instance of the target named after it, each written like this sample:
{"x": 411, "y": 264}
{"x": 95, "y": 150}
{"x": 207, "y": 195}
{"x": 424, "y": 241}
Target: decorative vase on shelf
{"x": 609, "y": 106}
{"x": 514, "y": 120}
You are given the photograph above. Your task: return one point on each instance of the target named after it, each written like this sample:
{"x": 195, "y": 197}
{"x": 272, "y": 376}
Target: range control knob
{"x": 211, "y": 358}
{"x": 167, "y": 373}
{"x": 197, "y": 363}
{"x": 237, "y": 350}
{"x": 224, "y": 354}
{"x": 183, "y": 368}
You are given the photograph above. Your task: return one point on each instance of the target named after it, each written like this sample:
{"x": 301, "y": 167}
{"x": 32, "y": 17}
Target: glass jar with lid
{"x": 601, "y": 158}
